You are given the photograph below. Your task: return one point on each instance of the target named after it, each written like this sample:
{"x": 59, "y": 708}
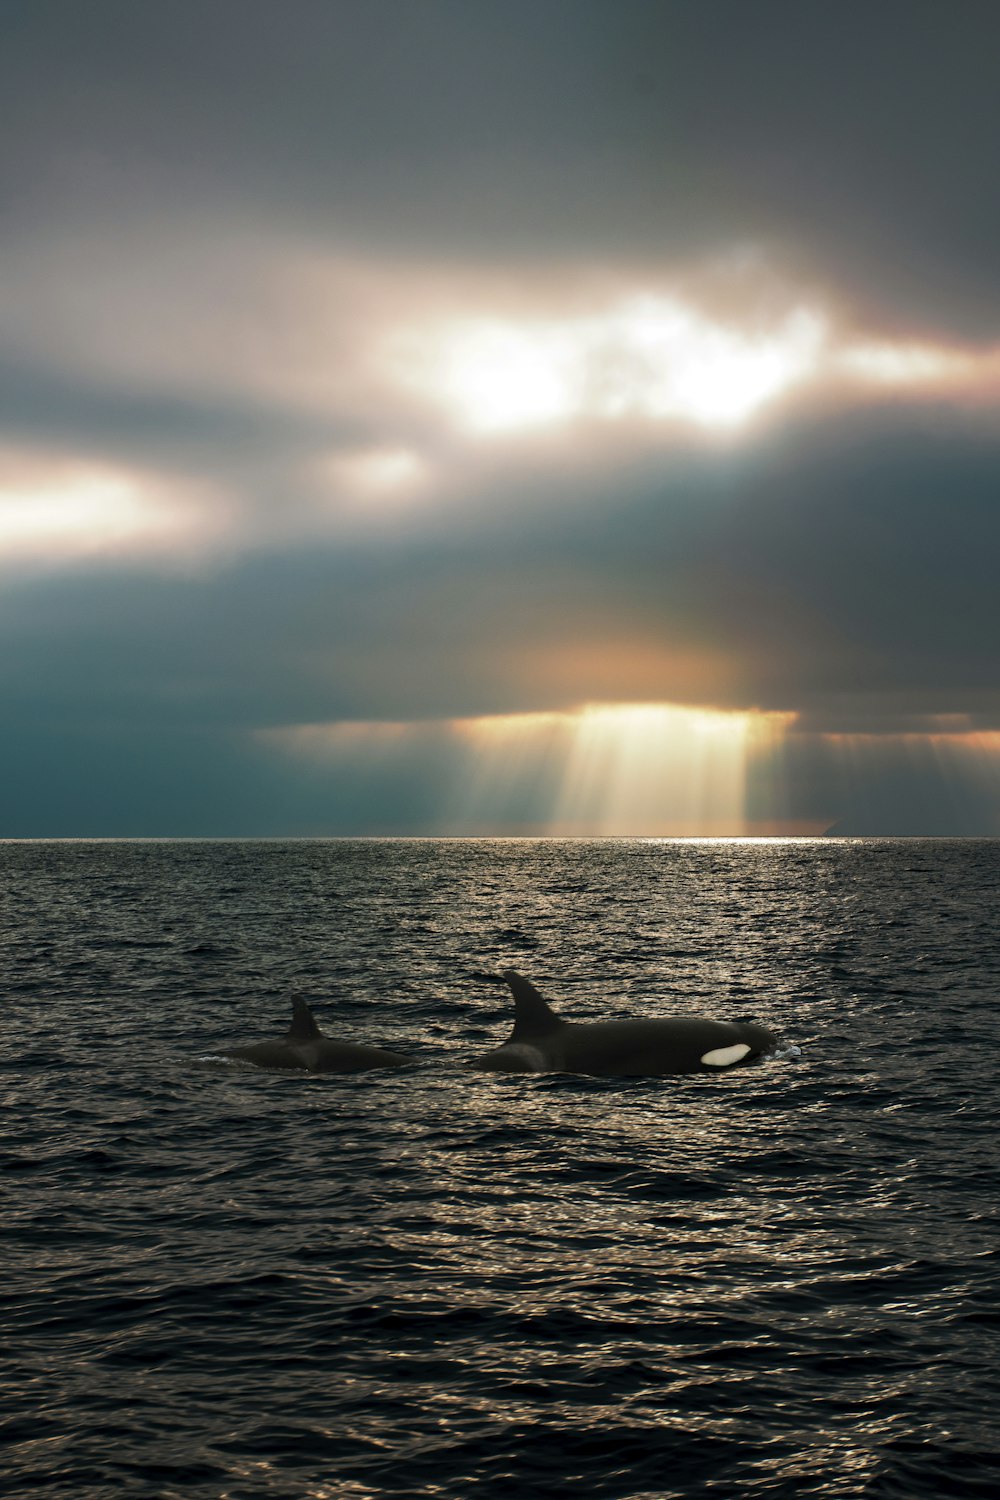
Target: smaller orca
{"x": 542, "y": 1042}
{"x": 304, "y": 1046}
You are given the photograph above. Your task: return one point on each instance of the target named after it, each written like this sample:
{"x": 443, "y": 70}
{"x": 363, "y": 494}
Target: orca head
{"x": 761, "y": 1038}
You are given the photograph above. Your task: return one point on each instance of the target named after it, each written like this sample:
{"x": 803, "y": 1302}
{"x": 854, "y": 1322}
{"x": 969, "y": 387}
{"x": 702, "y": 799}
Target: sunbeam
{"x": 633, "y": 770}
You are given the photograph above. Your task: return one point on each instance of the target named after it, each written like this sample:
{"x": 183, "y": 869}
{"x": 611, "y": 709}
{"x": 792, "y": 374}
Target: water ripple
{"x": 223, "y": 1283}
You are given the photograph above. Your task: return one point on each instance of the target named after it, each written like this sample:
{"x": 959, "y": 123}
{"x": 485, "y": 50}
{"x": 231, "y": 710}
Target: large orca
{"x": 542, "y": 1042}
{"x": 304, "y": 1046}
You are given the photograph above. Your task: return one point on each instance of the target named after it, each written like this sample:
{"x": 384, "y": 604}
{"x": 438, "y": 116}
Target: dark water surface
{"x": 224, "y": 1283}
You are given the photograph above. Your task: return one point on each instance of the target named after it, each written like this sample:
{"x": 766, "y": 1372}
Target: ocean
{"x": 219, "y": 1282}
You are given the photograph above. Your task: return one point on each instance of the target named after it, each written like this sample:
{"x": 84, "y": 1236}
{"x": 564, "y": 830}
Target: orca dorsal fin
{"x": 303, "y": 1027}
{"x": 533, "y": 1016}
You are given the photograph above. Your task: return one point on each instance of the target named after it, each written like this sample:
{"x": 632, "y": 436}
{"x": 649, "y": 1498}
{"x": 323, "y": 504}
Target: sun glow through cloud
{"x": 53, "y": 508}
{"x": 908, "y": 364}
{"x": 657, "y": 359}
{"x": 375, "y": 485}
{"x": 650, "y": 357}
{"x": 378, "y": 471}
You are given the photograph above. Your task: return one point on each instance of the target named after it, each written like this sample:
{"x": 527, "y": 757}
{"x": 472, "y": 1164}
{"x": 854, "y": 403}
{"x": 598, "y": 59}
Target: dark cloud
{"x": 862, "y": 138}
{"x": 194, "y": 433}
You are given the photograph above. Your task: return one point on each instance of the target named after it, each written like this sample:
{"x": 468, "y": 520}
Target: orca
{"x": 305, "y": 1047}
{"x": 542, "y": 1042}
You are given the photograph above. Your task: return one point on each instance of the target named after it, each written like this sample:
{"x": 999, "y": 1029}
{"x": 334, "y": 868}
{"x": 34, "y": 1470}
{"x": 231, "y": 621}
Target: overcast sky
{"x": 429, "y": 416}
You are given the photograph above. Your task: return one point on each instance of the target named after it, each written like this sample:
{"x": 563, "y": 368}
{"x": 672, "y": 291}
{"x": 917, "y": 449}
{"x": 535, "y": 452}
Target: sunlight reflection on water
{"x": 440, "y": 1281}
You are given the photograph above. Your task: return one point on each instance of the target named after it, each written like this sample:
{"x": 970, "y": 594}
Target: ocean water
{"x": 218, "y": 1282}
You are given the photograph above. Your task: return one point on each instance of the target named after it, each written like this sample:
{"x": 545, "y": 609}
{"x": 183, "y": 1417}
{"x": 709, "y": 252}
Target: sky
{"x": 499, "y": 417}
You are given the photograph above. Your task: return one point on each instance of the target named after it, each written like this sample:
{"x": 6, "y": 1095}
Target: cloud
{"x": 439, "y": 364}
{"x": 840, "y": 572}
{"x": 859, "y": 143}
{"x": 57, "y": 511}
